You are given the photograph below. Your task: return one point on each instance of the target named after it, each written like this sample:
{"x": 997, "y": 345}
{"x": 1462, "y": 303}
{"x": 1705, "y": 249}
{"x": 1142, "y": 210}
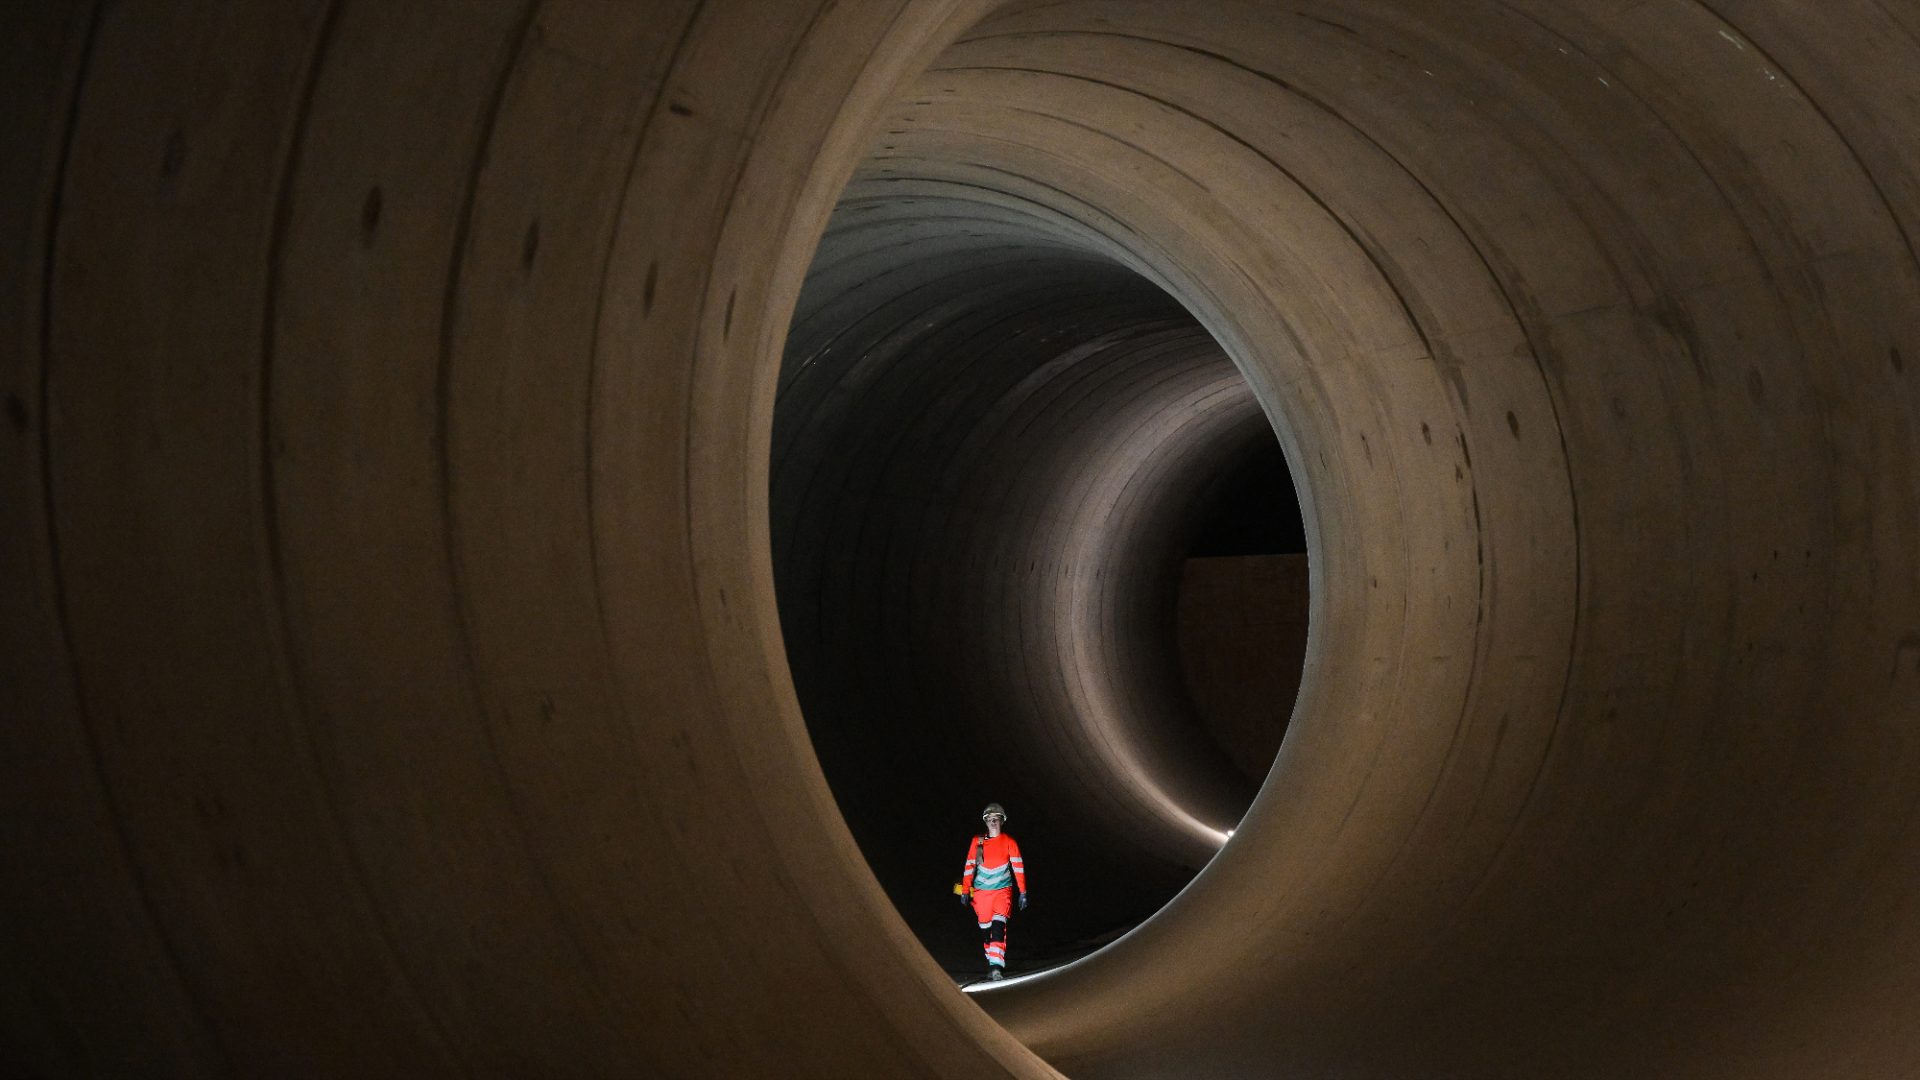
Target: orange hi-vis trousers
{"x": 992, "y": 907}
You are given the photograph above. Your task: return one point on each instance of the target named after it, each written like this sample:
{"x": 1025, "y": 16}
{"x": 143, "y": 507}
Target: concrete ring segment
{"x": 391, "y": 669}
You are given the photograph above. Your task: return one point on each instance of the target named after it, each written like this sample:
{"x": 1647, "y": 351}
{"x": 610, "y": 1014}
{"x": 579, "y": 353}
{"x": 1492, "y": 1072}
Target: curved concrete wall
{"x": 390, "y": 656}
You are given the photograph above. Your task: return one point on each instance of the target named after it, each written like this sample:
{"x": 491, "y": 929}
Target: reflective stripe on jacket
{"x": 994, "y": 862}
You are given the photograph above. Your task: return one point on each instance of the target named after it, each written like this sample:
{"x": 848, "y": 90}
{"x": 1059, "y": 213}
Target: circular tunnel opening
{"x": 389, "y": 648}
{"x": 1025, "y": 517}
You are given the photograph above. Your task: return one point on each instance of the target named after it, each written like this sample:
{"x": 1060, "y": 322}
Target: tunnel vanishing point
{"x": 392, "y": 681}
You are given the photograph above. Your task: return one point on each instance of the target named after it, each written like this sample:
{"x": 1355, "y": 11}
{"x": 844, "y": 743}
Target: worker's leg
{"x": 983, "y": 913}
{"x": 994, "y": 913}
{"x": 990, "y": 908}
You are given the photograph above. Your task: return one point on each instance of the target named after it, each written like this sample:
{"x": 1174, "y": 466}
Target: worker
{"x": 994, "y": 871}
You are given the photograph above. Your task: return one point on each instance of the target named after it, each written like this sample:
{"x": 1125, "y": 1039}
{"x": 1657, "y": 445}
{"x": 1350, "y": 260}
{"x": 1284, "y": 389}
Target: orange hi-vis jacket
{"x": 993, "y": 862}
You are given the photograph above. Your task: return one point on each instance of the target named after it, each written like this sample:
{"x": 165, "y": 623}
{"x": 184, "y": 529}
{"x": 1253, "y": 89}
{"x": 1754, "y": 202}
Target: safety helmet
{"x": 994, "y": 808}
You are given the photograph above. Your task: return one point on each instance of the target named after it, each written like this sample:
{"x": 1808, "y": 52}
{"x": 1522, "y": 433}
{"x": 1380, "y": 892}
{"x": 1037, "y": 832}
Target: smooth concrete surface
{"x": 390, "y": 665}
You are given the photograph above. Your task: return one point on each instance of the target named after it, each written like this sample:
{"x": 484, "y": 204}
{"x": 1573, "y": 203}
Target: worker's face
{"x": 993, "y": 824}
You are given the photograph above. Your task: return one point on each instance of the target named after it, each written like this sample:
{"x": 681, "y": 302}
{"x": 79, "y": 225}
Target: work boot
{"x": 996, "y": 974}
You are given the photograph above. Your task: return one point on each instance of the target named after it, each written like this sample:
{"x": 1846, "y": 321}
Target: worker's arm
{"x": 966, "y": 875}
{"x": 1019, "y": 869}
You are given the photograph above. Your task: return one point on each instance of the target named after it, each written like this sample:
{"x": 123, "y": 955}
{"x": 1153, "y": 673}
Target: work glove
{"x": 966, "y": 901}
{"x": 1023, "y": 901}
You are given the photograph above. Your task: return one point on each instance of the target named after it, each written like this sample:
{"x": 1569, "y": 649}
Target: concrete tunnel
{"x": 445, "y": 441}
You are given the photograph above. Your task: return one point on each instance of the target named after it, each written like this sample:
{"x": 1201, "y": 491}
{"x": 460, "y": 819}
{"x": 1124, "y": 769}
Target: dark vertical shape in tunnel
{"x": 391, "y": 667}
{"x": 1248, "y": 507}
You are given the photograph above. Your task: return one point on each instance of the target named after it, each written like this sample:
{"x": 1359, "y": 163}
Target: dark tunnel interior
{"x": 993, "y": 454}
